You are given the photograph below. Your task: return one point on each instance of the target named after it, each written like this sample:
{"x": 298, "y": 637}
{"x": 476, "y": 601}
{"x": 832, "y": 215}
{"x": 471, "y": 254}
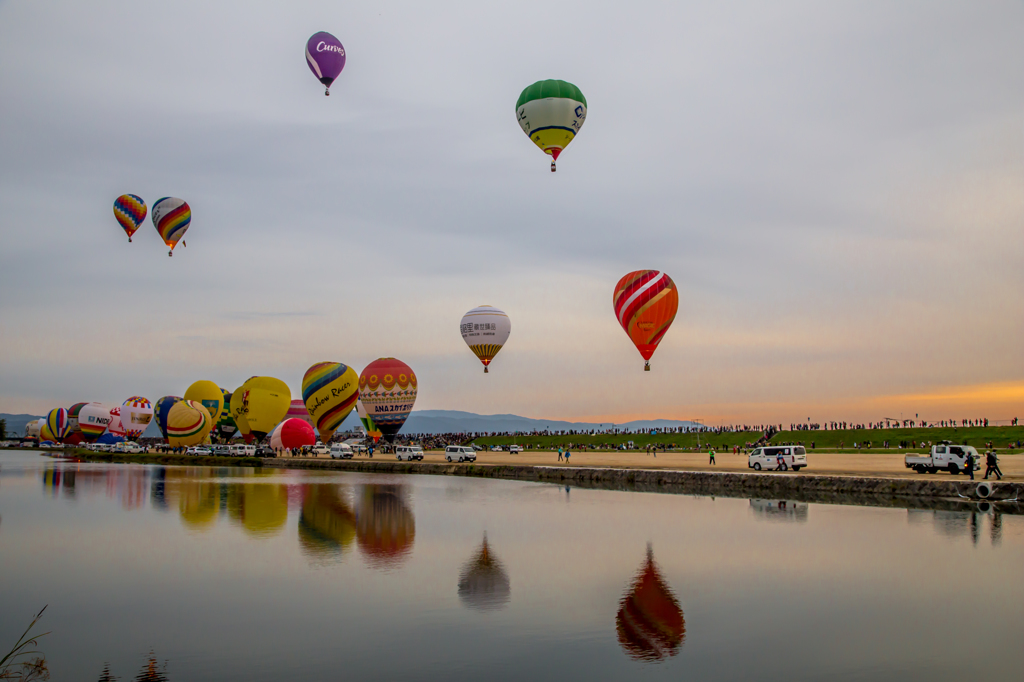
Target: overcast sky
{"x": 836, "y": 188}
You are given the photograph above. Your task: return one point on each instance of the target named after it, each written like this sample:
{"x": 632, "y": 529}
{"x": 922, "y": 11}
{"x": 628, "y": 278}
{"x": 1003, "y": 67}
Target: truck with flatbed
{"x": 944, "y": 457}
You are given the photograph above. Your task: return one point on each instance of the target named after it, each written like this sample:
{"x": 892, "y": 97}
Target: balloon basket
{"x": 486, "y": 370}
{"x": 327, "y": 92}
{"x": 170, "y": 253}
{"x": 647, "y": 367}
{"x": 129, "y": 240}
{"x": 552, "y": 166}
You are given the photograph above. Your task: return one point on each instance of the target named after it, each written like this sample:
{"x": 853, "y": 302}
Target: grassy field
{"x": 1000, "y": 436}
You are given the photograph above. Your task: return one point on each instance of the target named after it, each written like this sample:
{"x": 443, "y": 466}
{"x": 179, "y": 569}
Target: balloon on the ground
{"x": 325, "y": 57}
{"x": 387, "y": 390}
{"x": 161, "y": 409}
{"x": 130, "y": 210}
{"x": 238, "y": 409}
{"x": 188, "y": 424}
{"x": 367, "y": 422}
{"x": 265, "y": 402}
{"x": 58, "y": 424}
{"x": 650, "y": 621}
{"x": 171, "y": 217}
{"x": 115, "y": 427}
{"x": 292, "y": 433}
{"x": 485, "y": 330}
{"x": 46, "y": 435}
{"x": 225, "y": 427}
{"x": 93, "y": 420}
{"x": 329, "y": 392}
{"x": 136, "y": 413}
{"x": 34, "y": 428}
{"x": 645, "y": 303}
{"x": 75, "y": 434}
{"x": 209, "y": 394}
{"x": 297, "y": 410}
{"x": 551, "y": 114}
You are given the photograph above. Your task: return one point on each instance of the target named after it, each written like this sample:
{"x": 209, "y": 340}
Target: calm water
{"x": 231, "y": 574}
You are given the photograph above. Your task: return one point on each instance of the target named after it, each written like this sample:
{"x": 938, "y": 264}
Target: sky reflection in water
{"x": 228, "y": 573}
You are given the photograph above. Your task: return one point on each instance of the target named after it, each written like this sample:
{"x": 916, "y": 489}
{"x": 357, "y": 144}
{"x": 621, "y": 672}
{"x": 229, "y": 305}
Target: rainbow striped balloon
{"x": 130, "y": 210}
{"x": 171, "y": 217}
{"x": 59, "y": 424}
{"x": 329, "y": 390}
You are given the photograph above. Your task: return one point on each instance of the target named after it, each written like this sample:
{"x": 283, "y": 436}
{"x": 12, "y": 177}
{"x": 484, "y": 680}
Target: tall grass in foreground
{"x": 13, "y": 667}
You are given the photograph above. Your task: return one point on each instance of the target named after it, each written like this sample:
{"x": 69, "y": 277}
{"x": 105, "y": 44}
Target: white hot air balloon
{"x": 485, "y": 330}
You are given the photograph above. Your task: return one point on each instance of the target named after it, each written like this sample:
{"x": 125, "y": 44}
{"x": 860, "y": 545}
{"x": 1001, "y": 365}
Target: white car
{"x": 129, "y": 447}
{"x": 514, "y": 449}
{"x": 781, "y": 458}
{"x": 320, "y": 449}
{"x": 243, "y": 450}
{"x": 496, "y": 448}
{"x": 461, "y": 453}
{"x": 199, "y": 451}
{"x": 341, "y": 451}
{"x": 408, "y": 453}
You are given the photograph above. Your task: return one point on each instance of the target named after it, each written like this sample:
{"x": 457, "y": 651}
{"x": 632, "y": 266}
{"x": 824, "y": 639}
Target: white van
{"x": 341, "y": 451}
{"x": 463, "y": 453}
{"x": 767, "y": 458}
{"x": 408, "y": 452}
{"x": 243, "y": 450}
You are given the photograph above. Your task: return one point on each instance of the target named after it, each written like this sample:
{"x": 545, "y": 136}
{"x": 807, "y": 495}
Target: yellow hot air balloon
{"x": 188, "y": 423}
{"x": 209, "y": 394}
{"x": 265, "y": 402}
{"x": 238, "y": 408}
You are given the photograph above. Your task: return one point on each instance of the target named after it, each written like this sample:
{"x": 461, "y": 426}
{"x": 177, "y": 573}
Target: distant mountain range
{"x": 438, "y": 421}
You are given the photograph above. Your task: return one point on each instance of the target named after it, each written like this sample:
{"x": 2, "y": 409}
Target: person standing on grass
{"x": 711, "y": 455}
{"x": 992, "y": 465}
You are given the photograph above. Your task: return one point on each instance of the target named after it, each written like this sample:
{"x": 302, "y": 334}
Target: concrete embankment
{"x": 927, "y": 493}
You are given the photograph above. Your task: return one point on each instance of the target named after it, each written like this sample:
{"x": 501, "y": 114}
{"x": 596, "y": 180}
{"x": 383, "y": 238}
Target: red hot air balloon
{"x": 645, "y": 303}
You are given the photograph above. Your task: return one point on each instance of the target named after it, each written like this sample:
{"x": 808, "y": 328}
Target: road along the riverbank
{"x": 927, "y": 493}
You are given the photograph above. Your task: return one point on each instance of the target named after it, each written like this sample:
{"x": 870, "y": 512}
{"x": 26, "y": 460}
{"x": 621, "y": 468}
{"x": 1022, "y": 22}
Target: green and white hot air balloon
{"x": 551, "y": 114}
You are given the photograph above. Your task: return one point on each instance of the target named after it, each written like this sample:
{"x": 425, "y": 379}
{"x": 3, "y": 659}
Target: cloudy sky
{"x": 837, "y": 190}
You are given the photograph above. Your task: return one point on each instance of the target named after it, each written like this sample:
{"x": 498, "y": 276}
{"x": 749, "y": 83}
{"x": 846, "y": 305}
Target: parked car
{"x": 408, "y": 453}
{"x": 496, "y": 448}
{"x": 461, "y": 453}
{"x": 341, "y": 451}
{"x": 243, "y": 450}
{"x": 478, "y": 448}
{"x": 129, "y": 447}
{"x": 767, "y": 458}
{"x": 945, "y": 457}
{"x": 221, "y": 450}
{"x": 515, "y": 449}
{"x": 199, "y": 451}
{"x": 263, "y": 451}
{"x": 319, "y": 449}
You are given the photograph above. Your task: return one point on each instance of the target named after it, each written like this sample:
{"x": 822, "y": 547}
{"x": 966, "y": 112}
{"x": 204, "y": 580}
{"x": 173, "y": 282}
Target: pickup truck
{"x": 946, "y": 457}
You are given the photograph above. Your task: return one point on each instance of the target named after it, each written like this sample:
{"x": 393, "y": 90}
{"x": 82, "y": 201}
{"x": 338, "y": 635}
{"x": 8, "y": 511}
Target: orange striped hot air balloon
{"x": 645, "y": 303}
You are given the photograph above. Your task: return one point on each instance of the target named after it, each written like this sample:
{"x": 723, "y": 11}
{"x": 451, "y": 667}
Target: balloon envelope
{"x": 207, "y": 393}
{"x": 136, "y": 413}
{"x": 325, "y": 57}
{"x": 551, "y": 113}
{"x": 297, "y": 410}
{"x": 485, "y": 330}
{"x": 645, "y": 303}
{"x": 130, "y": 210}
{"x": 387, "y": 390}
{"x": 76, "y": 429}
{"x": 188, "y": 423}
{"x": 58, "y": 424}
{"x": 171, "y": 217}
{"x": 225, "y": 427}
{"x": 93, "y": 419}
{"x": 114, "y": 428}
{"x": 329, "y": 392}
{"x": 238, "y": 408}
{"x": 265, "y": 402}
{"x": 292, "y": 433}
{"x": 160, "y": 411}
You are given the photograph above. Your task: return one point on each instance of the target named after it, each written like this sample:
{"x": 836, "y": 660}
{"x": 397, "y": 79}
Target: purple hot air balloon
{"x": 325, "y": 56}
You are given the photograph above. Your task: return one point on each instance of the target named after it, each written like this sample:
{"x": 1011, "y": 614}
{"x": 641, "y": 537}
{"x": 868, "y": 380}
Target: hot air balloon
{"x": 238, "y": 409}
{"x": 325, "y": 57}
{"x": 645, "y": 303}
{"x": 57, "y": 422}
{"x": 483, "y": 582}
{"x": 209, "y": 394}
{"x": 115, "y": 428}
{"x": 136, "y": 413}
{"x": 130, "y": 210}
{"x": 367, "y": 422}
{"x": 265, "y": 402}
{"x": 329, "y": 392}
{"x": 171, "y": 217}
{"x": 292, "y": 433}
{"x": 160, "y": 411}
{"x": 650, "y": 621}
{"x": 297, "y": 410}
{"x": 93, "y": 420}
{"x": 387, "y": 390}
{"x": 188, "y": 424}
{"x": 46, "y": 435}
{"x": 551, "y": 114}
{"x": 75, "y": 430}
{"x": 225, "y": 427}
{"x": 34, "y": 428}
{"x": 485, "y": 330}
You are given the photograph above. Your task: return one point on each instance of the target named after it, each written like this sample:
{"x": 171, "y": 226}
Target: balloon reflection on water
{"x": 385, "y": 527}
{"x": 260, "y": 508}
{"x": 327, "y": 524}
{"x": 650, "y": 621}
{"x": 483, "y": 582}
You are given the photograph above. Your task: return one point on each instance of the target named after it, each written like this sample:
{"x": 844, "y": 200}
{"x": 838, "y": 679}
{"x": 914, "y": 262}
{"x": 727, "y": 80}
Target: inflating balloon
{"x": 485, "y": 330}
{"x": 297, "y": 410}
{"x": 209, "y": 394}
{"x": 93, "y": 420}
{"x": 188, "y": 424}
{"x": 325, "y": 57}
{"x": 130, "y": 210}
{"x": 387, "y": 390}
{"x": 645, "y": 303}
{"x": 58, "y": 424}
{"x": 367, "y": 422}
{"x": 238, "y": 409}
{"x": 329, "y": 392}
{"x": 160, "y": 411}
{"x": 75, "y": 435}
{"x": 136, "y": 413}
{"x": 292, "y": 433}
{"x": 650, "y": 621}
{"x": 225, "y": 427}
{"x": 115, "y": 428}
{"x": 265, "y": 402}
{"x": 171, "y": 217}
{"x": 551, "y": 114}
{"x": 46, "y": 435}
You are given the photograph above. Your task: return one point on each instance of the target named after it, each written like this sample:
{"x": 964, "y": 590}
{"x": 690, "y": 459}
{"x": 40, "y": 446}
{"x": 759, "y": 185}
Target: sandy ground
{"x": 829, "y": 464}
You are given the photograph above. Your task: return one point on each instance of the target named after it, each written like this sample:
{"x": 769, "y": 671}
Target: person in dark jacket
{"x": 992, "y": 465}
{"x": 969, "y": 465}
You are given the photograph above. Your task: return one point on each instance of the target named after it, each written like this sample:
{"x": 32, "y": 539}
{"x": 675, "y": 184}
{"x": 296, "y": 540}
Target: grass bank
{"x": 157, "y": 458}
